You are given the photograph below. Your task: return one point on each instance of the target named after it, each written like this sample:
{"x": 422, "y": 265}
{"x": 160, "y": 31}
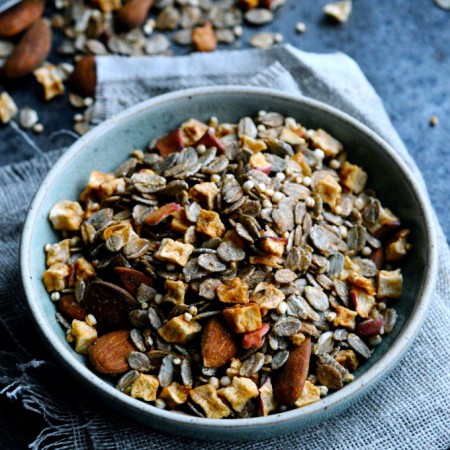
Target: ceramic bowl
{"x": 106, "y": 146}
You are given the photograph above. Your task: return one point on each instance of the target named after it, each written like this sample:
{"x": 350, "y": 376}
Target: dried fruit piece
{"x": 145, "y": 387}
{"x": 398, "y": 246}
{"x": 50, "y": 79}
{"x": 8, "y": 108}
{"x": 362, "y": 302}
{"x": 255, "y": 338}
{"x": 370, "y": 327}
{"x": 353, "y": 177}
{"x": 109, "y": 353}
{"x": 239, "y": 392}
{"x": 310, "y": 394}
{"x": 233, "y": 291}
{"x": 291, "y": 379}
{"x": 109, "y": 303}
{"x": 345, "y": 317}
{"x": 266, "y": 400}
{"x": 243, "y": 319}
{"x": 209, "y": 139}
{"x": 155, "y": 217}
{"x": 330, "y": 146}
{"x": 272, "y": 245}
{"x": 206, "y": 397}
{"x": 267, "y": 296}
{"x": 390, "y": 283}
{"x": 18, "y": 18}
{"x": 179, "y": 330}
{"x": 347, "y": 359}
{"x": 209, "y": 223}
{"x": 30, "y": 52}
{"x": 175, "y": 395}
{"x": 84, "y": 336}
{"x": 174, "y": 251}
{"x": 56, "y": 276}
{"x": 204, "y": 38}
{"x": 218, "y": 345}
{"x": 66, "y": 215}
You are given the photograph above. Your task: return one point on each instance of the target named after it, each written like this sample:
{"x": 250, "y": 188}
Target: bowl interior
{"x": 108, "y": 145}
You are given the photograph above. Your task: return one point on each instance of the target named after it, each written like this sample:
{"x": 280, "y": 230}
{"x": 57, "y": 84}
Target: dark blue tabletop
{"x": 402, "y": 46}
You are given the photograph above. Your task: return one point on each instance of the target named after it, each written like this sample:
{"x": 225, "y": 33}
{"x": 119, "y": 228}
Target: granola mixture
{"x": 231, "y": 270}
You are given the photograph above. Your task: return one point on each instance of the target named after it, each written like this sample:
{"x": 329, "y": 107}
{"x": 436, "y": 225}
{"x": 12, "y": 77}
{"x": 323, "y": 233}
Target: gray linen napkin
{"x": 410, "y": 409}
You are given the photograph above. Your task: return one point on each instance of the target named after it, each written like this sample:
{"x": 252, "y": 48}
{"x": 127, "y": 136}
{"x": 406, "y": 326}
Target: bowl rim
{"x": 330, "y": 403}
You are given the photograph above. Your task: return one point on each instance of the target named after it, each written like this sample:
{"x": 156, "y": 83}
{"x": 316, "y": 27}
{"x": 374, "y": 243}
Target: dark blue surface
{"x": 402, "y": 46}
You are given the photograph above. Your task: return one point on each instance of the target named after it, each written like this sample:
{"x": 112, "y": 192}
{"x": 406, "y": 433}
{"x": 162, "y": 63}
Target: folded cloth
{"x": 409, "y": 409}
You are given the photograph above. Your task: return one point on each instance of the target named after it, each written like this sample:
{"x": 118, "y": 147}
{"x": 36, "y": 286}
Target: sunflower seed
{"x": 166, "y": 371}
{"x": 125, "y": 382}
{"x": 138, "y": 340}
{"x": 154, "y": 319}
{"x": 356, "y": 238}
{"x": 139, "y": 361}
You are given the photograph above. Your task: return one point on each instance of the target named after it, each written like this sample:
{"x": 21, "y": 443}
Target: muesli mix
{"x": 230, "y": 270}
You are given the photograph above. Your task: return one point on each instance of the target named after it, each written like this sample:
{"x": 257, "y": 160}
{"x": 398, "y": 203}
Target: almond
{"x": 70, "y": 308}
{"x": 30, "y": 52}
{"x": 109, "y": 303}
{"x": 131, "y": 279}
{"x": 84, "y": 77}
{"x": 133, "y": 13}
{"x": 20, "y": 17}
{"x": 218, "y": 345}
{"x": 290, "y": 381}
{"x": 109, "y": 353}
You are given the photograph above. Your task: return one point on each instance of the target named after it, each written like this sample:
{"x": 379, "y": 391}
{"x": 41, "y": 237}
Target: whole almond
{"x": 289, "y": 384}
{"x": 70, "y": 308}
{"x": 20, "y": 17}
{"x": 131, "y": 279}
{"x": 218, "y": 345}
{"x": 30, "y": 52}
{"x": 133, "y": 13}
{"x": 84, "y": 76}
{"x": 109, "y": 353}
{"x": 110, "y": 304}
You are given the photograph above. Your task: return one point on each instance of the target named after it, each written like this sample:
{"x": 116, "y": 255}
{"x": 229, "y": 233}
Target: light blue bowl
{"x": 106, "y": 146}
